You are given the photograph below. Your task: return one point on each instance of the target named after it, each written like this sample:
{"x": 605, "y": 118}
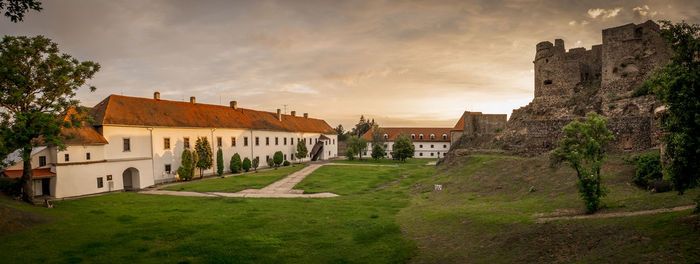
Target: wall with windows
{"x": 423, "y": 149}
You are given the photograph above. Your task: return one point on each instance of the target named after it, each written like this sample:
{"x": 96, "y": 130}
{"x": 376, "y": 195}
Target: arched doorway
{"x": 131, "y": 179}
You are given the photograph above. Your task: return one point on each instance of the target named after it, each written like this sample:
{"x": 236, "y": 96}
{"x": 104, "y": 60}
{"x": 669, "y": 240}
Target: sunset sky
{"x": 404, "y": 63}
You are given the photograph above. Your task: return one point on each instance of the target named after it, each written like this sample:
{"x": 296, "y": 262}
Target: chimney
{"x": 193, "y": 100}
{"x": 306, "y": 115}
{"x": 234, "y": 105}
{"x": 294, "y": 113}
{"x": 156, "y": 95}
{"x": 279, "y": 114}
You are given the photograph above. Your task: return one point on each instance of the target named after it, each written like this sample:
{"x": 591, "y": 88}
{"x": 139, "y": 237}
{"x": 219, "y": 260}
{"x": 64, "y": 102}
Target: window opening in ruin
{"x": 546, "y": 82}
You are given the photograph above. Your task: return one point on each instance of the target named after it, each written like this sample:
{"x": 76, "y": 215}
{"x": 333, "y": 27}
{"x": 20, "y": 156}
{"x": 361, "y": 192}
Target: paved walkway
{"x": 654, "y": 211}
{"x": 280, "y": 189}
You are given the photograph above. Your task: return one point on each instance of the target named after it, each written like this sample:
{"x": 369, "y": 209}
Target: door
{"x": 46, "y": 187}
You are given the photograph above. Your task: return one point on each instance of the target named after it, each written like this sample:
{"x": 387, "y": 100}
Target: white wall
{"x": 423, "y": 149}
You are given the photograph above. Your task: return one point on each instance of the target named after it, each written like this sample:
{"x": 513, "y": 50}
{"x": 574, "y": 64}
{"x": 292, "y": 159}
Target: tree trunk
{"x": 27, "y": 175}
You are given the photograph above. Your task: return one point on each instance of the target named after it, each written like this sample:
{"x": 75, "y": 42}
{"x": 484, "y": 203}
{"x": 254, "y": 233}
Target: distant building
{"x": 137, "y": 142}
{"x": 429, "y": 142}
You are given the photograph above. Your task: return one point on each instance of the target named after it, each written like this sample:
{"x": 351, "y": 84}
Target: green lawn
{"x": 370, "y": 160}
{"x": 238, "y": 182}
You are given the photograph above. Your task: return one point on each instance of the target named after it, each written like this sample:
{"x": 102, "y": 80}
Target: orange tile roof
{"x": 136, "y": 111}
{"x": 393, "y": 132}
{"x": 83, "y": 135}
{"x": 38, "y": 173}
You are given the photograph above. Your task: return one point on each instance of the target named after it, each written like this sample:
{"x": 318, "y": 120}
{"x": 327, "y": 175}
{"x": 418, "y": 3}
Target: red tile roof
{"x": 84, "y": 135}
{"x": 393, "y": 132}
{"x": 135, "y": 111}
{"x": 38, "y": 173}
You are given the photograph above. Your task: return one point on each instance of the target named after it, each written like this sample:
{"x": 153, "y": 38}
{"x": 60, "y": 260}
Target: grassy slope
{"x": 236, "y": 183}
{"x": 486, "y": 213}
{"x": 359, "y": 227}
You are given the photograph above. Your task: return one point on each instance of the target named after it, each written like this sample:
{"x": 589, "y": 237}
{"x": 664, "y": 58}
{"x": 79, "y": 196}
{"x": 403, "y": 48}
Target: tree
{"x": 235, "y": 163}
{"x": 205, "y": 159}
{"x": 15, "y": 9}
{"x": 256, "y": 163}
{"x": 377, "y": 135}
{"x": 278, "y": 158}
{"x": 301, "y": 151}
{"x": 270, "y": 163}
{"x": 186, "y": 169}
{"x": 341, "y": 132}
{"x": 246, "y": 164}
{"x": 677, "y": 86}
{"x": 219, "y": 162}
{"x": 403, "y": 148}
{"x": 358, "y": 145}
{"x": 378, "y": 152}
{"x": 583, "y": 148}
{"x": 37, "y": 86}
{"x": 362, "y": 126}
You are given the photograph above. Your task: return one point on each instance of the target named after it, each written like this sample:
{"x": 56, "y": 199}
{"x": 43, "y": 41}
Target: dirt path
{"x": 619, "y": 214}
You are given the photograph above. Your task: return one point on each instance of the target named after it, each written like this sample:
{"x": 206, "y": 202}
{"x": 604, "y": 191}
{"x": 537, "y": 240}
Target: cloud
{"x": 603, "y": 13}
{"x": 298, "y": 88}
{"x": 643, "y": 11}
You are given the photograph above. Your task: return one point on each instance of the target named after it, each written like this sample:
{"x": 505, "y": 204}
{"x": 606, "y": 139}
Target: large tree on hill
{"x": 15, "y": 9}
{"x": 204, "y": 155}
{"x": 583, "y": 148}
{"x": 677, "y": 85}
{"x": 37, "y": 86}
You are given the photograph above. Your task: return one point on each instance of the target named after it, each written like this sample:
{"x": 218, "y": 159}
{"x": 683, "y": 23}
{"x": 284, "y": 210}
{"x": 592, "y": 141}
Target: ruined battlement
{"x": 558, "y": 71}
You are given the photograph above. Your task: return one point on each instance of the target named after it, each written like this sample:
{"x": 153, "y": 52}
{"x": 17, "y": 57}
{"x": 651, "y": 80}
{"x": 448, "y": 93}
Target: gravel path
{"x": 620, "y": 214}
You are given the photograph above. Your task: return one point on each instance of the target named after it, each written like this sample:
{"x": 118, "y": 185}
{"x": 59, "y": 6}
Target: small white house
{"x": 429, "y": 142}
{"x": 137, "y": 142}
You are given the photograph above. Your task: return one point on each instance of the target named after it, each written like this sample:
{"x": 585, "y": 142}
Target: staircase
{"x": 316, "y": 151}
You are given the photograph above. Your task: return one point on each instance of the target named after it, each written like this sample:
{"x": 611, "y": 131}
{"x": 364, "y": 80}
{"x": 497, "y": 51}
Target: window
{"x": 267, "y": 141}
{"x": 420, "y": 154}
{"x": 277, "y": 141}
{"x": 219, "y": 142}
{"x": 168, "y": 168}
{"x": 285, "y": 141}
{"x": 267, "y": 157}
{"x": 100, "y": 184}
{"x": 334, "y": 141}
{"x": 292, "y": 156}
{"x": 432, "y": 146}
{"x": 257, "y": 141}
{"x": 444, "y": 136}
{"x": 413, "y": 136}
{"x": 233, "y": 141}
{"x": 547, "y": 82}
{"x": 42, "y": 161}
{"x": 166, "y": 143}
{"x": 420, "y": 136}
{"x": 444, "y": 146}
{"x": 87, "y": 156}
{"x": 420, "y": 146}
{"x": 291, "y": 141}
{"x": 432, "y": 154}
{"x": 245, "y": 141}
{"x": 186, "y": 142}
{"x": 66, "y": 157}
{"x": 432, "y": 136}
{"x": 127, "y": 144}
{"x": 285, "y": 156}
{"x": 317, "y": 140}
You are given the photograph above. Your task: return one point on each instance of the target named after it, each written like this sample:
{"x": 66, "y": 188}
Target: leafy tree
{"x": 270, "y": 163}
{"x": 583, "y": 148}
{"x": 246, "y": 164}
{"x": 341, "y": 132}
{"x": 278, "y": 158}
{"x": 256, "y": 163}
{"x": 235, "y": 163}
{"x": 205, "y": 159}
{"x": 648, "y": 168}
{"x": 302, "y": 151}
{"x": 186, "y": 169}
{"x": 362, "y": 126}
{"x": 15, "y": 9}
{"x": 37, "y": 87}
{"x": 358, "y": 145}
{"x": 378, "y": 152}
{"x": 403, "y": 148}
{"x": 350, "y": 154}
{"x": 677, "y": 86}
{"x": 219, "y": 162}
{"x": 377, "y": 135}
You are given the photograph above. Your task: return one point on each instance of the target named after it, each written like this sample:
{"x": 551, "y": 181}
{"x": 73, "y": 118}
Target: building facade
{"x": 430, "y": 142}
{"x": 138, "y": 142}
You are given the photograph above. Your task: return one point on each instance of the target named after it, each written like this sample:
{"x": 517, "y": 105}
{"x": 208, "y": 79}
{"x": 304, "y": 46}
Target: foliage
{"x": 270, "y": 163}
{"x": 362, "y": 126}
{"x": 256, "y": 163}
{"x": 342, "y": 134}
{"x": 11, "y": 186}
{"x": 15, "y": 9}
{"x": 278, "y": 158}
{"x": 186, "y": 169}
{"x": 286, "y": 163}
{"x": 236, "y": 184}
{"x": 403, "y": 147}
{"x": 647, "y": 168}
{"x": 301, "y": 151}
{"x": 677, "y": 85}
{"x": 235, "y": 163}
{"x": 358, "y": 145}
{"x": 37, "y": 87}
{"x": 350, "y": 154}
{"x": 378, "y": 152}
{"x": 583, "y": 148}
{"x": 204, "y": 155}
{"x": 246, "y": 164}
{"x": 219, "y": 162}
{"x": 377, "y": 135}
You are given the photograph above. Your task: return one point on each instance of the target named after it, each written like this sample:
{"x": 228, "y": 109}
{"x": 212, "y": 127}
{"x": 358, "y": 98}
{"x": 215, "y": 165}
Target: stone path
{"x": 654, "y": 211}
{"x": 280, "y": 189}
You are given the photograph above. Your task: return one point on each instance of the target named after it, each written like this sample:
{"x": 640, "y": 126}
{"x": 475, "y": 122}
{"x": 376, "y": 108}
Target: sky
{"x": 403, "y": 63}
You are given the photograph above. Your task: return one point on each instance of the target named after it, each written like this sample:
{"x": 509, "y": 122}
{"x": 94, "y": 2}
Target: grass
{"x": 369, "y": 160}
{"x": 236, "y": 183}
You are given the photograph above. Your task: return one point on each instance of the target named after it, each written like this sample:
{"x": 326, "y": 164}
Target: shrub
{"x": 246, "y": 164}
{"x": 219, "y": 162}
{"x": 11, "y": 186}
{"x": 235, "y": 164}
{"x": 648, "y": 168}
{"x": 270, "y": 163}
{"x": 301, "y": 150}
{"x": 186, "y": 169}
{"x": 403, "y": 148}
{"x": 350, "y": 154}
{"x": 277, "y": 158}
{"x": 286, "y": 163}
{"x": 378, "y": 152}
{"x": 256, "y": 163}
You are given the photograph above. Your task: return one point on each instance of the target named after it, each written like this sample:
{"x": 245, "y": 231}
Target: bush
{"x": 659, "y": 186}
{"x": 350, "y": 154}
{"x": 219, "y": 162}
{"x": 648, "y": 169}
{"x": 270, "y": 163}
{"x": 186, "y": 169}
{"x": 286, "y": 163}
{"x": 277, "y": 158}
{"x": 235, "y": 164}
{"x": 11, "y": 186}
{"x": 256, "y": 163}
{"x": 378, "y": 152}
{"x": 246, "y": 163}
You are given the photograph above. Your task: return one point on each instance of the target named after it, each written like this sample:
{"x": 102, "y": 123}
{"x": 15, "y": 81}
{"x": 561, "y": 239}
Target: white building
{"x": 137, "y": 142}
{"x": 431, "y": 142}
